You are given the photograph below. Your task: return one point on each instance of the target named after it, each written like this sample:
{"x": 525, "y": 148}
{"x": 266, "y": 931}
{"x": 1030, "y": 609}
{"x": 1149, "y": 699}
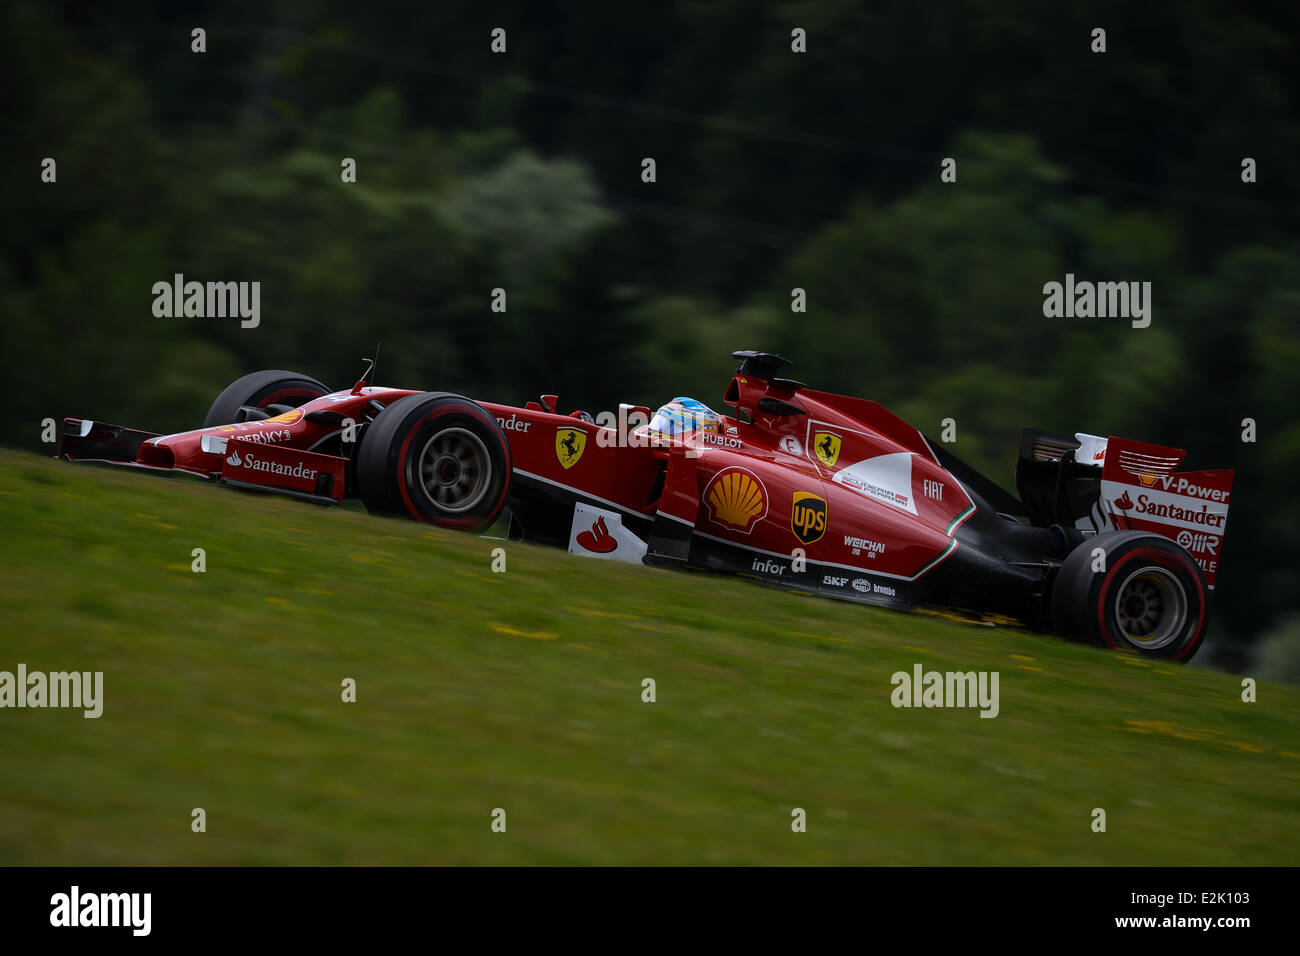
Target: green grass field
{"x": 522, "y": 690}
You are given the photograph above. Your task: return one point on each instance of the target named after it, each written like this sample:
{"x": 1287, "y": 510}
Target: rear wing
{"x": 1100, "y": 484}
{"x": 1141, "y": 491}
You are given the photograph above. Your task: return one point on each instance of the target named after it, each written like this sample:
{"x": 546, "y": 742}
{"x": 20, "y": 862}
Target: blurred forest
{"x": 775, "y": 170}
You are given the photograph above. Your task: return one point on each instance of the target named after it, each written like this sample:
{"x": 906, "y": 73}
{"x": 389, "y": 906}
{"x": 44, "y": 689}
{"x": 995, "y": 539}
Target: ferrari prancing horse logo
{"x": 827, "y": 446}
{"x": 570, "y": 443}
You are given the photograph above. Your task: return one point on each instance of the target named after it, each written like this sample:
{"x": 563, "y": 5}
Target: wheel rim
{"x": 1151, "y": 608}
{"x": 455, "y": 470}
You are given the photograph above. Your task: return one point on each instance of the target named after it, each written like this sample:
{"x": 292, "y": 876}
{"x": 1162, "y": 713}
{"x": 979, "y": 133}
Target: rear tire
{"x": 262, "y": 389}
{"x": 1151, "y": 596}
{"x": 438, "y": 458}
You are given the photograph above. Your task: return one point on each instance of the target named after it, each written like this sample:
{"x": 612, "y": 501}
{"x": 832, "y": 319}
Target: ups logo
{"x": 808, "y": 516}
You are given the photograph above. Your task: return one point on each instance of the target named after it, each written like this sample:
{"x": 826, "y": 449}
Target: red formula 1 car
{"x": 1106, "y": 541}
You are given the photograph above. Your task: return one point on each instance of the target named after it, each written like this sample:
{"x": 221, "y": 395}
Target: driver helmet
{"x": 683, "y": 415}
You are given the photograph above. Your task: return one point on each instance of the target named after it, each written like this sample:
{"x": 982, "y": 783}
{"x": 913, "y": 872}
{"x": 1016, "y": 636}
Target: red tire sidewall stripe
{"x": 1163, "y": 559}
{"x": 286, "y": 392}
{"x": 415, "y": 429}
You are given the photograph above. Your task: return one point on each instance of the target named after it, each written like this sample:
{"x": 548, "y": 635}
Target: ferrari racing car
{"x": 1105, "y": 542}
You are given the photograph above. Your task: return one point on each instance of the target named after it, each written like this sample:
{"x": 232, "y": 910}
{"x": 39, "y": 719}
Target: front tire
{"x": 1149, "y": 596}
{"x": 438, "y": 458}
{"x": 262, "y": 390}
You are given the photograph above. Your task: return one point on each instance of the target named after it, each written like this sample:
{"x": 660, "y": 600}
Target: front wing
{"x": 243, "y": 464}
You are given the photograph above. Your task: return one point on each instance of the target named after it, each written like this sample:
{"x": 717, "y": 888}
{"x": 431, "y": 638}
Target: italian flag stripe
{"x": 958, "y": 520}
{"x": 952, "y": 544}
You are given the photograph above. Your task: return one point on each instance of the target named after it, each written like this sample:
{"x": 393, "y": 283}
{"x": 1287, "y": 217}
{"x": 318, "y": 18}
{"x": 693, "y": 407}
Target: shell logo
{"x": 736, "y": 498}
{"x": 288, "y": 418}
